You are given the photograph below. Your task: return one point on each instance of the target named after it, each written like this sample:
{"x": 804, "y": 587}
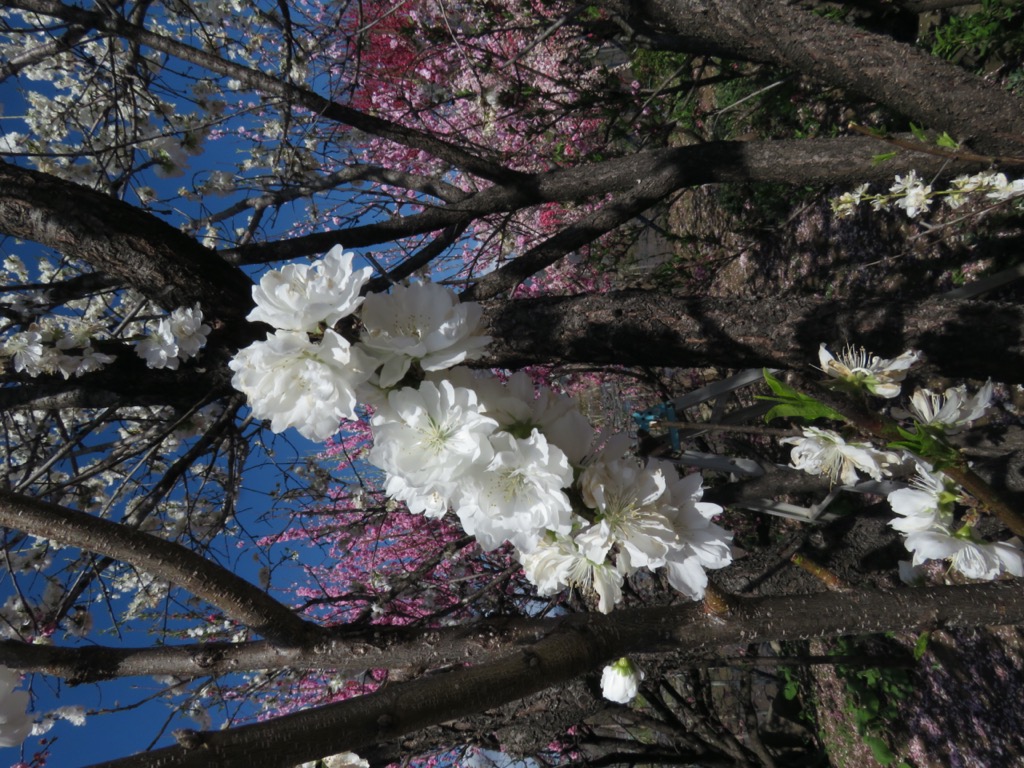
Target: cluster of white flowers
{"x": 825, "y": 452}
{"x": 53, "y": 348}
{"x": 497, "y": 459}
{"x": 64, "y": 345}
{"x": 927, "y": 522}
{"x": 15, "y": 724}
{"x": 178, "y": 337}
{"x": 926, "y": 507}
{"x": 302, "y": 376}
{"x": 74, "y": 714}
{"x": 341, "y": 760}
{"x": 507, "y": 459}
{"x": 424, "y": 322}
{"x": 914, "y": 196}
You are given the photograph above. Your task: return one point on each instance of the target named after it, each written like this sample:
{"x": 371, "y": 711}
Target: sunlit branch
{"x": 343, "y": 650}
{"x": 820, "y": 161}
{"x": 164, "y": 559}
{"x": 959, "y": 339}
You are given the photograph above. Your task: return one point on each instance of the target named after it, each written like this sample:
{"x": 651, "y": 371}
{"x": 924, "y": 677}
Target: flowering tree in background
{"x": 176, "y": 190}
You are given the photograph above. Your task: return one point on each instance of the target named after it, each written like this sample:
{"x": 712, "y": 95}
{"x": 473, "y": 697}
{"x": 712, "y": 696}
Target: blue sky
{"x": 118, "y": 733}
{"x": 125, "y": 727}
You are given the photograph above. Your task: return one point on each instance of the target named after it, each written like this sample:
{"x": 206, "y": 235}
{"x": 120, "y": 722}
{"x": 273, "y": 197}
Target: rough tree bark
{"x": 962, "y": 339}
{"x": 578, "y": 645}
{"x": 909, "y": 81}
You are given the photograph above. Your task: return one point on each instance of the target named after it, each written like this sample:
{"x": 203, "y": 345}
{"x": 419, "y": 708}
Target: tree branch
{"x": 342, "y": 649}
{"x": 796, "y": 161}
{"x": 121, "y": 241}
{"x": 960, "y": 339}
{"x": 579, "y": 645}
{"x": 911, "y": 82}
{"x": 165, "y": 559}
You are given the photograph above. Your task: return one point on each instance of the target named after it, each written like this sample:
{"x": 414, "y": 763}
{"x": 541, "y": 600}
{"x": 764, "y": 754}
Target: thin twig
{"x": 951, "y": 154}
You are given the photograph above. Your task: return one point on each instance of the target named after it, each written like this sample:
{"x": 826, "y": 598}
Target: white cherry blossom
{"x": 431, "y": 436}
{"x": 15, "y": 724}
{"x": 952, "y": 411}
{"x": 558, "y": 563}
{"x": 159, "y": 349}
{"x": 625, "y": 496}
{"x": 429, "y": 498}
{"x": 189, "y": 331}
{"x": 700, "y": 544}
{"x": 1002, "y": 189}
{"x": 519, "y": 496}
{"x": 296, "y": 383}
{"x": 28, "y": 352}
{"x": 823, "y": 452}
{"x": 926, "y": 505}
{"x": 914, "y": 194}
{"x": 974, "y": 559}
{"x": 298, "y": 297}
{"x": 856, "y": 366}
{"x": 620, "y": 682}
{"x": 88, "y": 360}
{"x": 519, "y": 407}
{"x": 422, "y": 322}
{"x": 341, "y": 760}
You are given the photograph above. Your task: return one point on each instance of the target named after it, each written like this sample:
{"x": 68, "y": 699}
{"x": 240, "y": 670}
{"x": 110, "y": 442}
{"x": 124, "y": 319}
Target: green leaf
{"x": 879, "y": 750}
{"x": 793, "y": 404}
{"x": 921, "y": 646}
{"x": 879, "y": 159}
{"x": 871, "y": 676}
{"x": 926, "y": 443}
{"x": 947, "y": 141}
{"x": 791, "y": 690}
{"x": 919, "y": 133}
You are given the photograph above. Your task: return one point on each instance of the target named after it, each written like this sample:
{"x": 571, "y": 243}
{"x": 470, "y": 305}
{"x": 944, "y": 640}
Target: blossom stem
{"x": 820, "y": 572}
{"x": 990, "y": 500}
{"x": 950, "y": 154}
{"x": 716, "y": 602}
{"x": 739, "y": 428}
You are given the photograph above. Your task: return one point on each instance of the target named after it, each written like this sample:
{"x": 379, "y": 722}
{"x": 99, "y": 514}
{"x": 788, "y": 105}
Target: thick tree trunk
{"x": 121, "y": 242}
{"x": 578, "y": 645}
{"x": 909, "y": 81}
{"x": 960, "y": 339}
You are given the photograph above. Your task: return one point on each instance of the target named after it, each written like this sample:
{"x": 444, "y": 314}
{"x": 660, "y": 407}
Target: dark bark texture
{"x": 909, "y": 81}
{"x": 578, "y": 645}
{"x": 117, "y": 240}
{"x": 962, "y": 339}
